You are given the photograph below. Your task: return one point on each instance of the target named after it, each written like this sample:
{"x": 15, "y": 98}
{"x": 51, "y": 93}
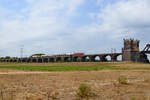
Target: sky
{"x": 63, "y": 26}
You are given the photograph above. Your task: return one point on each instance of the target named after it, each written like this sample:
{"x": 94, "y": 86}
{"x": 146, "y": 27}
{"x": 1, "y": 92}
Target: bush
{"x": 53, "y": 95}
{"x": 84, "y": 92}
{"x": 123, "y": 80}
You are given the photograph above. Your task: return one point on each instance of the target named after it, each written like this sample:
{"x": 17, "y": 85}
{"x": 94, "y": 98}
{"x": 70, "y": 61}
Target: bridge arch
{"x": 29, "y": 60}
{"x": 67, "y": 59}
{"x": 46, "y": 60}
{"x": 87, "y": 59}
{"x": 84, "y": 59}
{"x": 14, "y": 60}
{"x": 103, "y": 58}
{"x": 97, "y": 59}
{"x": 116, "y": 57}
{"x": 77, "y": 59}
{"x": 23, "y": 60}
{"x": 119, "y": 58}
{"x": 108, "y": 57}
{"x": 51, "y": 59}
{"x": 11, "y": 60}
{"x": 39, "y": 60}
{"x": 34, "y": 60}
{"x": 6, "y": 60}
{"x": 58, "y": 59}
{"x": 92, "y": 58}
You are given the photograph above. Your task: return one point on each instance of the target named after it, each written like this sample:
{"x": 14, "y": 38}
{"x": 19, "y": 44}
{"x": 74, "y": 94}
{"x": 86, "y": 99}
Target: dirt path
{"x": 9, "y": 72}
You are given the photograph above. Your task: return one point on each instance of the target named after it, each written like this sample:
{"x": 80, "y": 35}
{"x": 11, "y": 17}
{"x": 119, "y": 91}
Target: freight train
{"x": 69, "y": 54}
{"x": 78, "y": 54}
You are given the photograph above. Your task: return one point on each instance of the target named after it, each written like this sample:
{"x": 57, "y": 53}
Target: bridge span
{"x": 66, "y": 58}
{"x": 130, "y": 52}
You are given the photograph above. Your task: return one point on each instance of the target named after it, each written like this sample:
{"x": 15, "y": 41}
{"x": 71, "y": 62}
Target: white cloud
{"x": 40, "y": 17}
{"x": 124, "y": 18}
{"x": 43, "y": 25}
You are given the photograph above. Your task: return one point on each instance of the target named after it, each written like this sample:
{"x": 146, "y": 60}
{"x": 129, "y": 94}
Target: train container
{"x": 78, "y": 54}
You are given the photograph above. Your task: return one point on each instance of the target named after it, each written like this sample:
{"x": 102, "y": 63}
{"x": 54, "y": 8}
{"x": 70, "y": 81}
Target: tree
{"x": 37, "y": 55}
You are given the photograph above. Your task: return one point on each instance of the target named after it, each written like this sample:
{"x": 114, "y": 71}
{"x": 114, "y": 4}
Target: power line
{"x": 113, "y": 50}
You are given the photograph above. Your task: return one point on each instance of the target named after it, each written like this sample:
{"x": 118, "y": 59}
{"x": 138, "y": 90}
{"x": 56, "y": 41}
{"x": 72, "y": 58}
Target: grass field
{"x": 61, "y": 81}
{"x": 79, "y": 66}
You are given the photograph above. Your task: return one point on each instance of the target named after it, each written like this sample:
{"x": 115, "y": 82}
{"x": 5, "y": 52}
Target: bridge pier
{"x": 74, "y": 59}
{"x": 52, "y": 59}
{"x": 91, "y": 58}
{"x": 62, "y": 59}
{"x": 103, "y": 58}
{"x": 45, "y": 60}
{"x": 67, "y": 59}
{"x": 39, "y": 60}
{"x": 83, "y": 59}
{"x": 11, "y": 60}
{"x": 34, "y": 60}
{"x": 28, "y": 60}
{"x": 58, "y": 59}
{"x": 48, "y": 59}
{"x": 113, "y": 58}
{"x": 79, "y": 59}
{"x": 22, "y": 60}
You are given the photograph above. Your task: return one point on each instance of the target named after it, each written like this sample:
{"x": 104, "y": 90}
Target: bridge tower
{"x": 130, "y": 52}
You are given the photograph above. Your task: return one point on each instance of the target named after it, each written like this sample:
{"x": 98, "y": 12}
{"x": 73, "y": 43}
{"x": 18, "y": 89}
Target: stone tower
{"x": 130, "y": 52}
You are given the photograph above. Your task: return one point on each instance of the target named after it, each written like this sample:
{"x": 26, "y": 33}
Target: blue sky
{"x": 61, "y": 26}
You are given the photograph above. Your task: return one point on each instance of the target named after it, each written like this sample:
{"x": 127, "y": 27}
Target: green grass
{"x": 60, "y": 68}
{"x": 75, "y": 66}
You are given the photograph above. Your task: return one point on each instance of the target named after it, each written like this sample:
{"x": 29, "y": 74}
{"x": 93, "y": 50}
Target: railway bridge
{"x": 130, "y": 52}
{"x": 66, "y": 58}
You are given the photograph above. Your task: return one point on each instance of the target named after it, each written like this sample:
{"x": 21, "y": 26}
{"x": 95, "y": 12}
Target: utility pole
{"x": 113, "y": 51}
{"x": 21, "y": 52}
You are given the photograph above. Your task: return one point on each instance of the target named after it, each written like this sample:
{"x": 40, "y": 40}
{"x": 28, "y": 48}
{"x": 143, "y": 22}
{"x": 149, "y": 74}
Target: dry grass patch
{"x": 65, "y": 85}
